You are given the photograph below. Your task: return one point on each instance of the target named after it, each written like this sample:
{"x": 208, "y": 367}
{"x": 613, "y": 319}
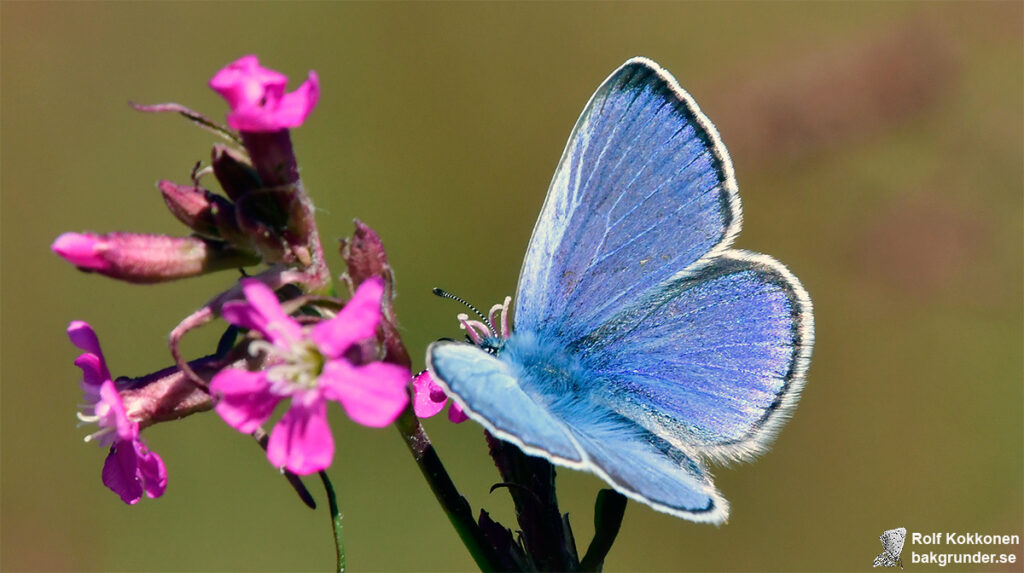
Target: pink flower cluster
{"x": 308, "y": 363}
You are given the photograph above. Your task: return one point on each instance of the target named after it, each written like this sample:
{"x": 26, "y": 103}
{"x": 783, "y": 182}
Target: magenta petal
{"x": 427, "y": 397}
{"x": 84, "y": 337}
{"x": 120, "y": 472}
{"x": 253, "y": 118}
{"x": 263, "y": 313}
{"x": 115, "y": 414}
{"x": 295, "y": 107}
{"x": 244, "y": 83}
{"x": 94, "y": 371}
{"x": 372, "y": 395}
{"x": 301, "y": 441}
{"x": 241, "y": 313}
{"x": 82, "y": 250}
{"x": 357, "y": 321}
{"x": 151, "y": 470}
{"x": 245, "y": 398}
{"x": 456, "y": 415}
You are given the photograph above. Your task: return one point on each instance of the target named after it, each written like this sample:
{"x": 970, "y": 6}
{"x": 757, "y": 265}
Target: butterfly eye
{"x": 492, "y": 345}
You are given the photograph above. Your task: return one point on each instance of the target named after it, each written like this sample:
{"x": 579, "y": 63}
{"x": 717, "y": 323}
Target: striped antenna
{"x": 445, "y": 294}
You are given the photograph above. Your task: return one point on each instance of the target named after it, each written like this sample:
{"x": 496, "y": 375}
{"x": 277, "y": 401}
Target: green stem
{"x": 332, "y": 501}
{"x": 293, "y": 480}
{"x": 452, "y": 502}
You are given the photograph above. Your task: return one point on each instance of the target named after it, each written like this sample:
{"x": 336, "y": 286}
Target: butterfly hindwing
{"x": 646, "y": 468}
{"x": 490, "y": 393}
{"x": 643, "y": 190}
{"x": 712, "y": 362}
{"x": 517, "y": 397}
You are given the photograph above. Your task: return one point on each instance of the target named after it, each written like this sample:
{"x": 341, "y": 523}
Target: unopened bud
{"x": 234, "y": 172}
{"x": 195, "y": 207}
{"x": 365, "y": 256}
{"x": 148, "y": 258}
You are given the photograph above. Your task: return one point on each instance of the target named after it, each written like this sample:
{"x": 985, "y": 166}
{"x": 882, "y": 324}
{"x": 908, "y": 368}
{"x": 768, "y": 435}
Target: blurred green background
{"x": 879, "y": 152}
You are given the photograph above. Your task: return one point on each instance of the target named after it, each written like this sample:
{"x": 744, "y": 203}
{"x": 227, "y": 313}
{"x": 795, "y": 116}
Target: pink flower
{"x": 257, "y": 99}
{"x": 429, "y": 399}
{"x": 130, "y": 468}
{"x": 310, "y": 365}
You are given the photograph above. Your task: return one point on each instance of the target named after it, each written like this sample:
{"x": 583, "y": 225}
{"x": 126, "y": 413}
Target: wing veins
{"x": 636, "y": 237}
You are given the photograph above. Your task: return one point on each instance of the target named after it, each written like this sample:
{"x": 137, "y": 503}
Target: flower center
{"x": 98, "y": 413}
{"x": 290, "y": 368}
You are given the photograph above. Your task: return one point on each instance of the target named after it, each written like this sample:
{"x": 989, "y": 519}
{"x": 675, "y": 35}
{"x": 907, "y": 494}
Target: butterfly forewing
{"x": 643, "y": 190}
{"x": 893, "y": 539}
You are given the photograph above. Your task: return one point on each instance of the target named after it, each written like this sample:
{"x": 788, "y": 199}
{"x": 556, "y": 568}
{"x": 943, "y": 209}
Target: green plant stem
{"x": 293, "y": 480}
{"x": 452, "y": 502}
{"x": 332, "y": 502}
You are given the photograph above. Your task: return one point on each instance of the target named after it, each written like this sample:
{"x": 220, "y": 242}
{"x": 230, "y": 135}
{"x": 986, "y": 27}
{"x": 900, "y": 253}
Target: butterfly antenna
{"x": 445, "y": 294}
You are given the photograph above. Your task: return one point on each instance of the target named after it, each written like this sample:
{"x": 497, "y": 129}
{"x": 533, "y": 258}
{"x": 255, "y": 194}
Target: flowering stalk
{"x": 332, "y": 502}
{"x": 452, "y": 502}
{"x": 263, "y": 113}
{"x": 367, "y": 260}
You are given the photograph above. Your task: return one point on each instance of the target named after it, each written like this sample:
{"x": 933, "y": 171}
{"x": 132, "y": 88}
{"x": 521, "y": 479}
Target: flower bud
{"x": 364, "y": 254}
{"x": 234, "y": 172}
{"x": 195, "y": 207}
{"x": 140, "y": 258}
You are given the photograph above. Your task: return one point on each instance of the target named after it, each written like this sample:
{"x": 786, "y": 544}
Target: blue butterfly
{"x": 643, "y": 345}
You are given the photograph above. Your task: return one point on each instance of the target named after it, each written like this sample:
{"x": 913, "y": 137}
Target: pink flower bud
{"x": 148, "y": 258}
{"x": 195, "y": 207}
{"x": 83, "y": 251}
{"x": 366, "y": 259}
{"x": 257, "y": 97}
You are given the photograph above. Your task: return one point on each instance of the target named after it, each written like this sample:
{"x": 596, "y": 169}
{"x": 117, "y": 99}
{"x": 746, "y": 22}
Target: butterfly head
{"x": 491, "y": 331}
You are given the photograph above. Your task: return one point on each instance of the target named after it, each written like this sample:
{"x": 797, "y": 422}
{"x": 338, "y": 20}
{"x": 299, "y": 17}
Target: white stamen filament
{"x": 498, "y": 315}
{"x": 87, "y": 418}
{"x": 100, "y": 434}
{"x": 476, "y": 330}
